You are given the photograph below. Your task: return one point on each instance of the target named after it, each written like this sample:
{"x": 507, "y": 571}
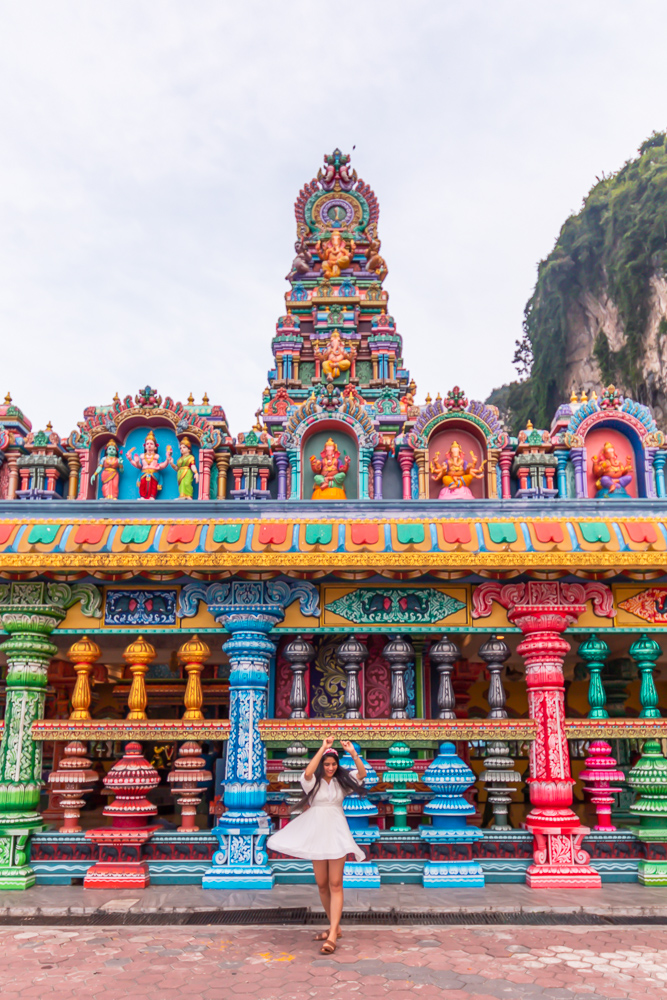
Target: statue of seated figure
{"x": 455, "y": 473}
{"x": 611, "y": 474}
{"x": 330, "y": 471}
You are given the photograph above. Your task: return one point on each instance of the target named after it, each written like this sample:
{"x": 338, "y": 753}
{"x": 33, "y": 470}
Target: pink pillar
{"x": 406, "y": 460}
{"x": 205, "y": 463}
{"x": 505, "y": 463}
{"x": 84, "y": 475}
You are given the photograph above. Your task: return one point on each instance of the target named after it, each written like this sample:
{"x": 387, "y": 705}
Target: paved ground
{"x": 630, "y": 899}
{"x": 279, "y": 963}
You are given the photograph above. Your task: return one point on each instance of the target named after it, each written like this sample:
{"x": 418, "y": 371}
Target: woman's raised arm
{"x": 312, "y": 764}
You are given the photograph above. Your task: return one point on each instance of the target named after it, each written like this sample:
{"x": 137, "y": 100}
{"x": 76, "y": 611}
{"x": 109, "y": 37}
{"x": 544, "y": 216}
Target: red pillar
{"x": 543, "y": 611}
{"x": 505, "y": 463}
{"x": 559, "y": 860}
{"x": 406, "y": 460}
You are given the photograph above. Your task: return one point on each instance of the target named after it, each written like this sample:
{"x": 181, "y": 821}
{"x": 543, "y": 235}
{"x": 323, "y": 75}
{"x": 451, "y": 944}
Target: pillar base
{"x": 241, "y": 862}
{"x": 112, "y": 875}
{"x": 652, "y": 872}
{"x": 15, "y": 872}
{"x": 446, "y": 874}
{"x": 361, "y": 875}
{"x": 560, "y": 861}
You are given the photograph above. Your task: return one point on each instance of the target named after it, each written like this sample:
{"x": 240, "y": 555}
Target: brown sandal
{"x": 328, "y": 948}
{"x": 324, "y": 936}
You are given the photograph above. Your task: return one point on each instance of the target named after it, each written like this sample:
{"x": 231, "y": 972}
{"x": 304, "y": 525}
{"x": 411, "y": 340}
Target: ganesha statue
{"x": 611, "y": 474}
{"x": 335, "y": 254}
{"x": 335, "y": 357}
{"x": 330, "y": 471}
{"x": 455, "y": 473}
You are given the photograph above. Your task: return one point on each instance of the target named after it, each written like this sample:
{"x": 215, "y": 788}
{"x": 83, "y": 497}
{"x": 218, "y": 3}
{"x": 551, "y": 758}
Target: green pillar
{"x": 594, "y": 652}
{"x": 645, "y": 651}
{"x": 28, "y": 651}
{"x": 649, "y": 778}
{"x": 399, "y": 775}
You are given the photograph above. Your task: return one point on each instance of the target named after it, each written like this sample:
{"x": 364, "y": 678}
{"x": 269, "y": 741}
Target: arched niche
{"x": 133, "y": 436}
{"x": 620, "y": 437}
{"x": 313, "y": 443}
{"x": 470, "y": 440}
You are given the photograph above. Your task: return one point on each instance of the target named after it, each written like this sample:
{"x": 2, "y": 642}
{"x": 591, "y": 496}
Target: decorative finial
{"x": 594, "y": 396}
{"x": 116, "y": 397}
{"x": 438, "y": 398}
{"x": 49, "y": 428}
{"x": 573, "y": 397}
{"x": 428, "y": 398}
{"x": 584, "y": 398}
{"x": 529, "y": 425}
{"x": 8, "y": 399}
{"x": 205, "y": 399}
{"x": 191, "y": 400}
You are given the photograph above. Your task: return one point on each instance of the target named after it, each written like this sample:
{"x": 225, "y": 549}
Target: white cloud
{"x": 151, "y": 154}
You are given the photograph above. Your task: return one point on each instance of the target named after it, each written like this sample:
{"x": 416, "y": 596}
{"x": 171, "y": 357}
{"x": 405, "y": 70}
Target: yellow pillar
{"x": 192, "y": 655}
{"x": 139, "y": 655}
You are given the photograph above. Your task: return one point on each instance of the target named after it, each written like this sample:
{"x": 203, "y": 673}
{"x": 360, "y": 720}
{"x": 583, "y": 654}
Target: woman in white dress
{"x": 321, "y": 833}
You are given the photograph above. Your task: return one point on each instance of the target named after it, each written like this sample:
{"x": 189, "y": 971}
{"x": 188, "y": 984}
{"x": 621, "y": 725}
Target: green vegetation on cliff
{"x": 614, "y": 245}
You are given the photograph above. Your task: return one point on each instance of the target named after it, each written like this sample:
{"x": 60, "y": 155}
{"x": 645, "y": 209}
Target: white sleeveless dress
{"x": 321, "y": 832}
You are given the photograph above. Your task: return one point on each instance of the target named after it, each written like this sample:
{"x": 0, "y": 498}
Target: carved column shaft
{"x": 494, "y": 652}
{"x": 398, "y": 653}
{"x": 299, "y": 652}
{"x": 28, "y": 651}
{"x": 443, "y": 655}
{"x": 352, "y": 654}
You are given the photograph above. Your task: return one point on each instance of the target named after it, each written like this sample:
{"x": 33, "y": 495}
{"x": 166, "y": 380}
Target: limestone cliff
{"x": 598, "y": 313}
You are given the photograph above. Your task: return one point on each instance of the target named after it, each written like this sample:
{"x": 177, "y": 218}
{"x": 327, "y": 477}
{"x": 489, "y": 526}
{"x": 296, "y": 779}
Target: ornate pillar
{"x": 659, "y": 460}
{"x": 241, "y": 862}
{"x": 377, "y": 461}
{"x": 406, "y": 460}
{"x": 352, "y": 654}
{"x": 299, "y": 652}
{"x": 543, "y": 611}
{"x": 13, "y": 484}
{"x": 562, "y": 457}
{"x": 444, "y": 655}
{"x": 578, "y": 456}
{"x": 494, "y": 652}
{"x": 421, "y": 458}
{"x": 645, "y": 651}
{"x": 222, "y": 462}
{"x": 282, "y": 463}
{"x": 28, "y": 651}
{"x": 206, "y": 456}
{"x": 139, "y": 656}
{"x": 594, "y": 652}
{"x": 74, "y": 466}
{"x": 83, "y": 653}
{"x": 505, "y": 463}
{"x": 398, "y": 653}
{"x": 365, "y": 455}
{"x": 193, "y": 654}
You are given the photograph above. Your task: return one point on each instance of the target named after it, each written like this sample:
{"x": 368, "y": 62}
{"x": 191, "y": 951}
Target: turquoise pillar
{"x": 645, "y": 651}
{"x": 594, "y": 652}
{"x": 359, "y": 810}
{"x": 242, "y": 861}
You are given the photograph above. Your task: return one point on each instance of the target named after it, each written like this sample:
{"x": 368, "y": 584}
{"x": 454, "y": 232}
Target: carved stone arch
{"x": 314, "y": 423}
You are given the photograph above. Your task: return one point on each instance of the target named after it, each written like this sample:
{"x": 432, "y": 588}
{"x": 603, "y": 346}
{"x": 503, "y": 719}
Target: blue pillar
{"x": 659, "y": 460}
{"x": 242, "y": 862}
{"x": 561, "y": 475}
{"x": 449, "y": 836}
{"x": 358, "y": 810}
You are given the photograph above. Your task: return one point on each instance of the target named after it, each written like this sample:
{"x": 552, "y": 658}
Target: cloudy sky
{"x": 150, "y": 154}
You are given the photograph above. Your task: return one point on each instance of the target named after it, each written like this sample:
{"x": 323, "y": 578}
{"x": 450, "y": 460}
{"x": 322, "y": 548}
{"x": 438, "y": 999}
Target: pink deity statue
{"x": 335, "y": 357}
{"x": 611, "y": 474}
{"x": 150, "y": 465}
{"x": 330, "y": 470}
{"x": 455, "y": 473}
{"x": 109, "y": 470}
{"x": 335, "y": 254}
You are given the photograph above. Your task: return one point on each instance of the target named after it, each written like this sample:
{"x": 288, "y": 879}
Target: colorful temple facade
{"x": 187, "y": 612}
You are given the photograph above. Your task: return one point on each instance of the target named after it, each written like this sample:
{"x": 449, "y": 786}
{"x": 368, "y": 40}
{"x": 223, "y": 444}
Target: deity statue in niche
{"x": 330, "y": 471}
{"x": 186, "y": 471}
{"x": 455, "y": 473}
{"x": 109, "y": 470}
{"x": 335, "y": 357}
{"x": 150, "y": 465}
{"x": 335, "y": 254}
{"x": 611, "y": 474}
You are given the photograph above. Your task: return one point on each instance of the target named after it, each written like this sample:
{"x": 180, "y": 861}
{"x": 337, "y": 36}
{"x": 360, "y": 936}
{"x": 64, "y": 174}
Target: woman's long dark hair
{"x": 341, "y": 775}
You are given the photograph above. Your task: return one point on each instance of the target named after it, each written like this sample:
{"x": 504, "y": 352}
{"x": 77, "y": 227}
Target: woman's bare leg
{"x": 335, "y": 896}
{"x": 321, "y": 869}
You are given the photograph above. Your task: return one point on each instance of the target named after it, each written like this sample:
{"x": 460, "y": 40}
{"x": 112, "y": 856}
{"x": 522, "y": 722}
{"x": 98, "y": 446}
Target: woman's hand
{"x": 327, "y": 743}
{"x": 348, "y": 747}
